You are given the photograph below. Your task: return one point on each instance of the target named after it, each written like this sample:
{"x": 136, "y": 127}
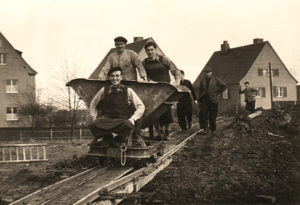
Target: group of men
{"x": 121, "y": 107}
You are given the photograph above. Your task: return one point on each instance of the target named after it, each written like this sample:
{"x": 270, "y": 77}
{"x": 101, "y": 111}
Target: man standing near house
{"x": 120, "y": 108}
{"x": 157, "y": 68}
{"x": 209, "y": 89}
{"x": 184, "y": 105}
{"x": 125, "y": 59}
{"x": 250, "y": 94}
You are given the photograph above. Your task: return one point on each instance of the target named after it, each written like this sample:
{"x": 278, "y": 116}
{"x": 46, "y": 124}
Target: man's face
{"x": 181, "y": 76}
{"x": 120, "y": 45}
{"x": 247, "y": 85}
{"x": 115, "y": 77}
{"x": 208, "y": 74}
{"x": 151, "y": 51}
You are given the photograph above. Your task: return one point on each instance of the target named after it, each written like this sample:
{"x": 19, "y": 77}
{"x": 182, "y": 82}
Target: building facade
{"x": 17, "y": 88}
{"x": 251, "y": 63}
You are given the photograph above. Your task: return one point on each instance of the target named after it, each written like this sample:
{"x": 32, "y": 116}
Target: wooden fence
{"x": 26, "y": 134}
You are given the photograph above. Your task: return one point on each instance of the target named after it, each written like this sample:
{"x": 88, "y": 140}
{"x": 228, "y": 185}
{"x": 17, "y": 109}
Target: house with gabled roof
{"x": 251, "y": 63}
{"x": 17, "y": 80}
{"x": 137, "y": 46}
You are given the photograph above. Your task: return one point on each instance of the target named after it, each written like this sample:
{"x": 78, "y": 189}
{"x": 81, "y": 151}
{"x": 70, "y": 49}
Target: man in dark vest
{"x": 120, "y": 108}
{"x": 157, "y": 68}
{"x": 184, "y": 105}
{"x": 209, "y": 89}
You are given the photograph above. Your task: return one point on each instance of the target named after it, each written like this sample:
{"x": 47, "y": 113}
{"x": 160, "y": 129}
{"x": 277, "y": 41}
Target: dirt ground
{"x": 64, "y": 159}
{"x": 235, "y": 165}
{"x": 241, "y": 163}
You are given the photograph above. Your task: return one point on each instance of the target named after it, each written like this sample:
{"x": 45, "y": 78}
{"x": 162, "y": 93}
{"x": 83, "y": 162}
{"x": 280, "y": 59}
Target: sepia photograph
{"x": 137, "y": 102}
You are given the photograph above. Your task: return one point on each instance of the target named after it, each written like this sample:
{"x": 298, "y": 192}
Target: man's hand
{"x": 131, "y": 121}
{"x": 177, "y": 82}
{"x": 195, "y": 101}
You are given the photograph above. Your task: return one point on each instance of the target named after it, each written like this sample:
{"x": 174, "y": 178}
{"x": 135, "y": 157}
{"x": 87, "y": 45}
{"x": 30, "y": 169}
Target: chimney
{"x": 135, "y": 39}
{"x": 258, "y": 40}
{"x": 224, "y": 47}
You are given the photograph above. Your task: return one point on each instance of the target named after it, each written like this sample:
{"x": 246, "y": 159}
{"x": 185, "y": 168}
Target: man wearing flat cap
{"x": 126, "y": 59}
{"x": 209, "y": 89}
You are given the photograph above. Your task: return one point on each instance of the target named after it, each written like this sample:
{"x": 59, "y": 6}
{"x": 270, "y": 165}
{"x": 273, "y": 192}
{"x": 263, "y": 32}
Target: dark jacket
{"x": 191, "y": 97}
{"x": 215, "y": 87}
{"x": 250, "y": 94}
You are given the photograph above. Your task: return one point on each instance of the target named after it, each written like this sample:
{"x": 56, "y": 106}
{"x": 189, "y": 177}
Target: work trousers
{"x": 184, "y": 115}
{"x": 208, "y": 112}
{"x": 250, "y": 106}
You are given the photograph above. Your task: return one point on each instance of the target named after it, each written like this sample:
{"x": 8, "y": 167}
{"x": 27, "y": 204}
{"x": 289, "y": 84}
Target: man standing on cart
{"x": 126, "y": 59}
{"x": 120, "y": 108}
{"x": 157, "y": 68}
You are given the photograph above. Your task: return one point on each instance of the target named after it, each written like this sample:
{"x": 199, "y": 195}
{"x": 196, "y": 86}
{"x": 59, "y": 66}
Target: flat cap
{"x": 208, "y": 70}
{"x": 120, "y": 38}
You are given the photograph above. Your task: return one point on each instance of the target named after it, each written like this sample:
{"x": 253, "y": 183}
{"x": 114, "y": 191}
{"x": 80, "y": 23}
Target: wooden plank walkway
{"x": 88, "y": 187}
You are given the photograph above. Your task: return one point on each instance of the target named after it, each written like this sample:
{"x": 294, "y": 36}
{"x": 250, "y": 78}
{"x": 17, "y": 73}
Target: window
{"x": 265, "y": 72}
{"x": 11, "y": 114}
{"x": 275, "y": 72}
{"x": 261, "y": 93}
{"x": 11, "y": 86}
{"x": 279, "y": 92}
{"x": 2, "y": 58}
{"x": 225, "y": 95}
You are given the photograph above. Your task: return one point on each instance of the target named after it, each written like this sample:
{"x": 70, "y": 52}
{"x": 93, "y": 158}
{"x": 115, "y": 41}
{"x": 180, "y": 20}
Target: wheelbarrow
{"x": 156, "y": 96}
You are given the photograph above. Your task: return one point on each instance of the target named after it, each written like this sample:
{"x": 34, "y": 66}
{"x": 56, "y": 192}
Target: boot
{"x": 141, "y": 142}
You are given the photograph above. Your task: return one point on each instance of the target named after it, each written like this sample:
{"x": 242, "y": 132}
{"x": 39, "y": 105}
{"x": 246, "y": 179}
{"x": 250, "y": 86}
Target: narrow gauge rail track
{"x": 96, "y": 185}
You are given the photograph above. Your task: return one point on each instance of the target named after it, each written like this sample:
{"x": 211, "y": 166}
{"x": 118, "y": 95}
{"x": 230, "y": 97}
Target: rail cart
{"x": 157, "y": 98}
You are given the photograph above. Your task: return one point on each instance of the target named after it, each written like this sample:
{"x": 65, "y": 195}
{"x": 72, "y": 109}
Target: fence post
{"x": 80, "y": 133}
{"x": 51, "y": 134}
{"x": 21, "y": 134}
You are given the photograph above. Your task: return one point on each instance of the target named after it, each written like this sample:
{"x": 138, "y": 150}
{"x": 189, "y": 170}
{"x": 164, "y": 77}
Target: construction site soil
{"x": 245, "y": 161}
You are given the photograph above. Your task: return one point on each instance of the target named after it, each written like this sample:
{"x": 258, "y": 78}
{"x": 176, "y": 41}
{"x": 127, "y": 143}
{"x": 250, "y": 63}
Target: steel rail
{"x": 134, "y": 181}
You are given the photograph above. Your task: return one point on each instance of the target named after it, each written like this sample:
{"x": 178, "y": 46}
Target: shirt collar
{"x": 155, "y": 59}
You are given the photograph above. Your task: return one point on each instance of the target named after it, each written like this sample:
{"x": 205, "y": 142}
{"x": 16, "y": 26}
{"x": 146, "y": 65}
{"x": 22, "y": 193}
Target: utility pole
{"x": 271, "y": 86}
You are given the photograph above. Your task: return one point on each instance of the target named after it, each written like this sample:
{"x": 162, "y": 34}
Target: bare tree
{"x": 38, "y": 113}
{"x": 65, "y": 97}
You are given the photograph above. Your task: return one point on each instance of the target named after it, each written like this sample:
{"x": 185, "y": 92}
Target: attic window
{"x": 2, "y": 58}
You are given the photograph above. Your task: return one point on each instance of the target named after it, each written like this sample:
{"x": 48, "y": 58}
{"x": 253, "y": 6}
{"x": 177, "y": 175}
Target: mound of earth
{"x": 249, "y": 160}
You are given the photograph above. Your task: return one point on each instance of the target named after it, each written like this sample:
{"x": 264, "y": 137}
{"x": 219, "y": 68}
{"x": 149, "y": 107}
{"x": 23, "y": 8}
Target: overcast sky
{"x": 188, "y": 31}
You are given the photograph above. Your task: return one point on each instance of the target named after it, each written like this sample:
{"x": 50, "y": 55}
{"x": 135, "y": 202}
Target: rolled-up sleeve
{"x": 175, "y": 72}
{"x": 138, "y": 104}
{"x": 138, "y": 64}
{"x": 95, "y": 101}
{"x": 103, "y": 73}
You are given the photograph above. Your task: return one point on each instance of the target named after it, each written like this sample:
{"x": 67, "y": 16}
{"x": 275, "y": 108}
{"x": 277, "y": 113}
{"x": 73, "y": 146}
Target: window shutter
{"x": 263, "y": 92}
{"x": 228, "y": 93}
{"x": 284, "y": 92}
{"x": 259, "y": 72}
{"x": 274, "y": 91}
{"x": 4, "y": 58}
{"x": 275, "y": 72}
